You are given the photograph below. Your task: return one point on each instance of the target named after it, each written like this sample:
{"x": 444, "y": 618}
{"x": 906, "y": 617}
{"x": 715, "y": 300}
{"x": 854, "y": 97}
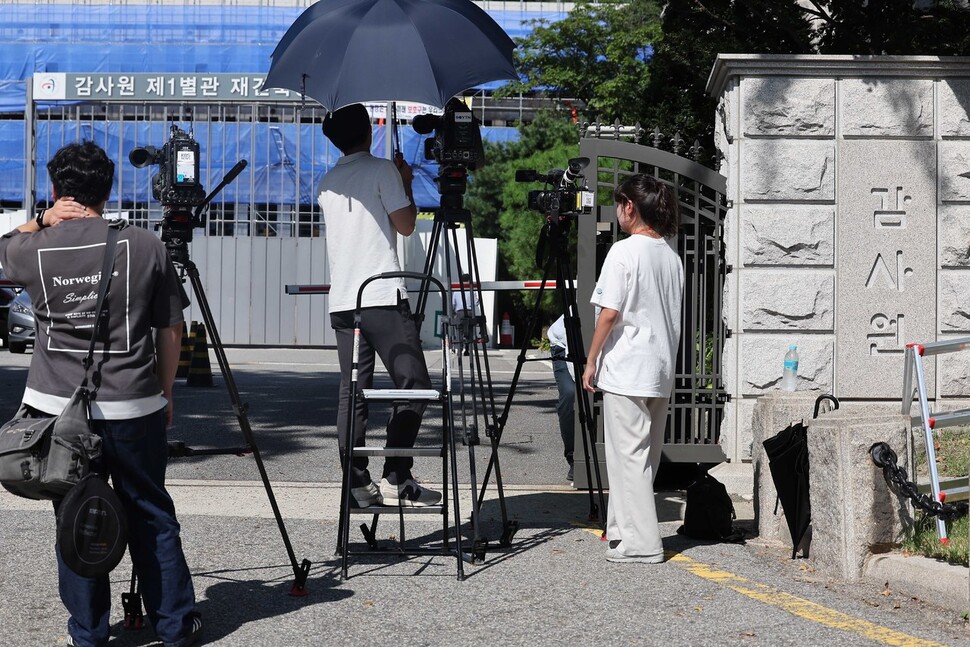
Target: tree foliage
{"x": 597, "y": 58}
{"x": 900, "y": 27}
{"x": 598, "y": 54}
{"x": 499, "y": 204}
{"x": 693, "y": 35}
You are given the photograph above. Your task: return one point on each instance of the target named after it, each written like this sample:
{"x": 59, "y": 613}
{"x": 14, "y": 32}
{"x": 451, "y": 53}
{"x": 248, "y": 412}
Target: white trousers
{"x": 634, "y": 432}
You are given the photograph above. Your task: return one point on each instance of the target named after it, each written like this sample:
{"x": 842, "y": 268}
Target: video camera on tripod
{"x": 456, "y": 146}
{"x": 178, "y": 187}
{"x": 569, "y": 196}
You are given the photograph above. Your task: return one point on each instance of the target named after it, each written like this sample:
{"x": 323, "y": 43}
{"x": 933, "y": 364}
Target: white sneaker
{"x": 408, "y": 494}
{"x": 614, "y": 555}
{"x": 365, "y": 496}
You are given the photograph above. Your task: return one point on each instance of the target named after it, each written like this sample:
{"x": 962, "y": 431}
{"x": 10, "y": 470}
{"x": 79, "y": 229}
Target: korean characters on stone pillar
{"x": 887, "y": 326}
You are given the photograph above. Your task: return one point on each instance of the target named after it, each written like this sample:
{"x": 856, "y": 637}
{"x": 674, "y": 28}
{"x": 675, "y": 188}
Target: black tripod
{"x": 469, "y": 333}
{"x": 555, "y": 238}
{"x": 177, "y": 227}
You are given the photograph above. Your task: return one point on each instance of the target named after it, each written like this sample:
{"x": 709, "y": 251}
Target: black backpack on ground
{"x": 710, "y": 512}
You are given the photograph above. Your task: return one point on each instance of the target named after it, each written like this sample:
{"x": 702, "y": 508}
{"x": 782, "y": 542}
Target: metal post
{"x": 30, "y": 152}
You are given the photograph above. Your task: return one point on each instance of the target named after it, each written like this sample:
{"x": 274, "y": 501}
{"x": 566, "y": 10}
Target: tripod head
{"x": 179, "y": 221}
{"x": 452, "y": 183}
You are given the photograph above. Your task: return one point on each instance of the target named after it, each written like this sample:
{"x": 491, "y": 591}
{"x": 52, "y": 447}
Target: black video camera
{"x": 177, "y": 183}
{"x": 569, "y": 195}
{"x": 457, "y": 138}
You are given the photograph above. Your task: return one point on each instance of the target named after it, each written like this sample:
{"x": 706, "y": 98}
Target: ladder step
{"x": 945, "y": 419}
{"x": 401, "y": 395}
{"x": 393, "y": 509}
{"x": 399, "y": 452}
{"x": 956, "y": 489}
{"x": 945, "y": 346}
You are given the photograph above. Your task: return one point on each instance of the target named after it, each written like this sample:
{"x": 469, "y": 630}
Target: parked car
{"x": 20, "y": 323}
{"x": 6, "y": 296}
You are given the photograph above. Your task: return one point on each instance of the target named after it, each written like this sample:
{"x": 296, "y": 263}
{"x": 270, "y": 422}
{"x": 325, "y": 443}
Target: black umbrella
{"x": 340, "y": 52}
{"x": 787, "y": 454}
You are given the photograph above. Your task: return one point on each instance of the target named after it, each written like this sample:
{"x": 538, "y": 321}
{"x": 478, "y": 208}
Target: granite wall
{"x": 849, "y": 223}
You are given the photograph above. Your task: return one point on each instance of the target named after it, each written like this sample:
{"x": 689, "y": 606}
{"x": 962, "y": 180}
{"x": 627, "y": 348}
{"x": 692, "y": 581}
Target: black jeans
{"x": 390, "y": 332}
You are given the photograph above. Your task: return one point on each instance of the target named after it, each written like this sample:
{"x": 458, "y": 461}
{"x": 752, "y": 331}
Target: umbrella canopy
{"x": 788, "y": 461}
{"x": 340, "y": 52}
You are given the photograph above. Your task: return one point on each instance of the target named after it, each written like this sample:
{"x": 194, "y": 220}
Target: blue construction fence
{"x": 90, "y": 38}
{"x": 281, "y": 170}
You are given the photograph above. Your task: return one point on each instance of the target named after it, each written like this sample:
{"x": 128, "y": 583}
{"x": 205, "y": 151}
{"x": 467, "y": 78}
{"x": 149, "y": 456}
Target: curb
{"x": 940, "y": 583}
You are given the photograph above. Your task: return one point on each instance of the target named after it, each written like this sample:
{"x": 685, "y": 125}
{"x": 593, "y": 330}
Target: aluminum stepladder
{"x": 927, "y": 421}
{"x": 446, "y": 451}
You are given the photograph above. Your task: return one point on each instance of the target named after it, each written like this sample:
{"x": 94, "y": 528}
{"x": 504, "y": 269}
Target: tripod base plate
{"x": 479, "y": 550}
{"x": 299, "y": 589}
{"x": 134, "y": 618}
{"x": 511, "y": 527}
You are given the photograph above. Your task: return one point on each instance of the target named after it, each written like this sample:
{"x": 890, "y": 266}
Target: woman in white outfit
{"x": 632, "y": 359}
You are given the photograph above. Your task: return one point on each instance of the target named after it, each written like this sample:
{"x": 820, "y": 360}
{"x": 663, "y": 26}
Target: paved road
{"x": 552, "y": 586}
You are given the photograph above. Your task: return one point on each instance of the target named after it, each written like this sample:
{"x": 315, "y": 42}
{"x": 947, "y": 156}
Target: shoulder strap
{"x": 106, "y": 268}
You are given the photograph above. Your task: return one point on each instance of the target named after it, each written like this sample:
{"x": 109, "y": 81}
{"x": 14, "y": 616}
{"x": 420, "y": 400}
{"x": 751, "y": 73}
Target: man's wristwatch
{"x": 40, "y": 220}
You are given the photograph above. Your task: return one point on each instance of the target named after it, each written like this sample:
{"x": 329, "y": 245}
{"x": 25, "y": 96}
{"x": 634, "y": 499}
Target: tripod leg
{"x": 425, "y": 288}
{"x": 131, "y": 603}
{"x": 495, "y": 435}
{"x": 567, "y": 294}
{"x": 453, "y": 460}
{"x": 300, "y": 571}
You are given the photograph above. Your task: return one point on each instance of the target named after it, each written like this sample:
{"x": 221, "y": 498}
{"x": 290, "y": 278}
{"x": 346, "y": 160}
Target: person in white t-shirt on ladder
{"x": 366, "y": 203}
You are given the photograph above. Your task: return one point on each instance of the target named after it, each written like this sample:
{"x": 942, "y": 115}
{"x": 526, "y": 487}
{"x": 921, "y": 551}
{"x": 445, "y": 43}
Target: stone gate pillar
{"x": 848, "y": 231}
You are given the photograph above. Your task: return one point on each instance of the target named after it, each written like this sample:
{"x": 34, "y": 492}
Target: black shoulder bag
{"x": 43, "y": 458}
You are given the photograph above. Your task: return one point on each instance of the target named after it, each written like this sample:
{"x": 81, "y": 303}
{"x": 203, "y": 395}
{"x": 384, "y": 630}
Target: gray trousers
{"x": 390, "y": 333}
{"x": 633, "y": 428}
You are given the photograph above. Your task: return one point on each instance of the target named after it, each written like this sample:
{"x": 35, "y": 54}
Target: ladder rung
{"x": 393, "y": 509}
{"x": 954, "y": 488}
{"x": 399, "y": 452}
{"x": 945, "y": 419}
{"x": 398, "y": 395}
{"x": 944, "y": 346}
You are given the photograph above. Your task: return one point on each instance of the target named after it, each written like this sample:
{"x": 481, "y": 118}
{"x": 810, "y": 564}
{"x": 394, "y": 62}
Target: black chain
{"x": 883, "y": 456}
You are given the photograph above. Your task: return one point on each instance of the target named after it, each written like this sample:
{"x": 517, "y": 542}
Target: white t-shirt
{"x": 356, "y": 196}
{"x": 467, "y": 302}
{"x": 557, "y": 334}
{"x": 643, "y": 279}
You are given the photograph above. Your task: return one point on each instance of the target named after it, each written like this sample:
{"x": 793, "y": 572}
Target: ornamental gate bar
{"x": 697, "y": 403}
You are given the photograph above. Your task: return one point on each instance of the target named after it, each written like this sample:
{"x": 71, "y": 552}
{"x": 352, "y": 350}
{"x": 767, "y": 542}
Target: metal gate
{"x": 261, "y": 231}
{"x": 697, "y": 403}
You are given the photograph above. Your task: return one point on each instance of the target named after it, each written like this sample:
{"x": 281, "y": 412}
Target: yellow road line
{"x": 596, "y": 531}
{"x": 799, "y": 606}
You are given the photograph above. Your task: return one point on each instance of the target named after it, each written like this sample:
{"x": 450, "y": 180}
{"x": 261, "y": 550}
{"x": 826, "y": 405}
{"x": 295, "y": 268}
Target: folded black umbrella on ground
{"x": 787, "y": 454}
{"x": 788, "y": 461}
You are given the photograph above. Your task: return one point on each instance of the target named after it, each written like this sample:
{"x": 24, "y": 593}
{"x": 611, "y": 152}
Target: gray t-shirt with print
{"x": 60, "y": 267}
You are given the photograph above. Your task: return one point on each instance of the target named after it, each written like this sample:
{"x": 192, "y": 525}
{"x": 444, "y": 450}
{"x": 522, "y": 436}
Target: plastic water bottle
{"x": 789, "y": 378}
